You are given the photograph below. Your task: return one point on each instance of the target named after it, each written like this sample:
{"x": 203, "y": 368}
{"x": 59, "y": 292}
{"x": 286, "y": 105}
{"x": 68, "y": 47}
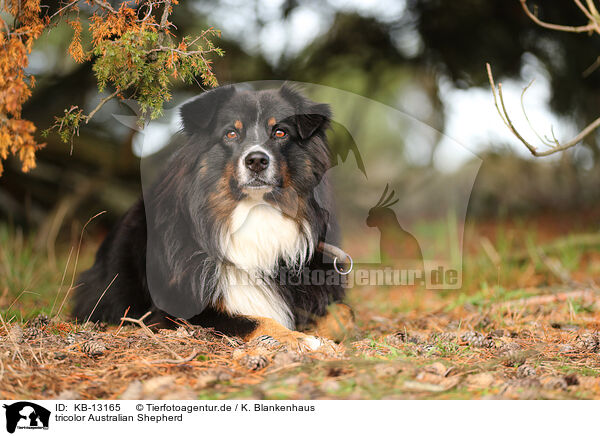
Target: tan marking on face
{"x": 271, "y": 122}
{"x": 221, "y": 201}
{"x": 285, "y": 174}
{"x": 238, "y": 124}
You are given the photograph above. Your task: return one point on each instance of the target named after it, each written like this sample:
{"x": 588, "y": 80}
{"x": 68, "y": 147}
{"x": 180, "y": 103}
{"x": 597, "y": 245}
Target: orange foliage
{"x": 111, "y": 30}
{"x": 75, "y": 48}
{"x": 104, "y": 27}
{"x": 16, "y": 134}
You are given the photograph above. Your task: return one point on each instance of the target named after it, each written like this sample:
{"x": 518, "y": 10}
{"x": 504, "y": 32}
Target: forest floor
{"x": 524, "y": 326}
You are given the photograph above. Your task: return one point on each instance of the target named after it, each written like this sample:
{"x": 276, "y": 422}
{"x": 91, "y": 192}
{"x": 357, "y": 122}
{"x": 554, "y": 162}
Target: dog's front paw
{"x": 269, "y": 333}
{"x": 297, "y": 341}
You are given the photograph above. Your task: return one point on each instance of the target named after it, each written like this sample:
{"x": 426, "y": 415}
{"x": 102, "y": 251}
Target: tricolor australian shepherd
{"x": 227, "y": 235}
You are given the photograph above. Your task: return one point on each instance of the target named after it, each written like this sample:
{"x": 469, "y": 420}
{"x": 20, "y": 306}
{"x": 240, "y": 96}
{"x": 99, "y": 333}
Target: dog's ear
{"x": 310, "y": 117}
{"x": 197, "y": 114}
{"x": 315, "y": 118}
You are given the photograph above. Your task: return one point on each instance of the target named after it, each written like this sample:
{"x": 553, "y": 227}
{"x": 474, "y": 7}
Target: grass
{"x": 521, "y": 305}
{"x": 28, "y": 280}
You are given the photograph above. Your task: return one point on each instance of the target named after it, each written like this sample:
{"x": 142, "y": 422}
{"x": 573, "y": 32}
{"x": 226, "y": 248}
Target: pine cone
{"x": 397, "y": 338}
{"x": 525, "y": 371}
{"x": 402, "y": 337}
{"x": 588, "y": 342}
{"x": 513, "y": 358}
{"x": 33, "y": 333}
{"x": 73, "y": 338}
{"x": 93, "y": 348}
{"x": 428, "y": 349}
{"x": 254, "y": 362}
{"x": 39, "y": 321}
{"x": 477, "y": 340}
{"x": 442, "y": 337}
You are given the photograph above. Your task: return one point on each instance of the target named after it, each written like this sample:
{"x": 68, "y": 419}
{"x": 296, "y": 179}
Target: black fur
{"x": 169, "y": 238}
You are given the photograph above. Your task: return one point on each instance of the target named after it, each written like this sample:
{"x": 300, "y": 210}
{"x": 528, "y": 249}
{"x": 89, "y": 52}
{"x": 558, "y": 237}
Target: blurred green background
{"x": 423, "y": 57}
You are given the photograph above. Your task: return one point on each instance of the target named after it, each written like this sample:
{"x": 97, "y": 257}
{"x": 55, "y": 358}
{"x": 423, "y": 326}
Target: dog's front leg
{"x": 249, "y": 327}
{"x": 295, "y": 340}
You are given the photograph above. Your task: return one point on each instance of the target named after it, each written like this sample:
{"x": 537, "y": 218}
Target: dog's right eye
{"x": 231, "y": 134}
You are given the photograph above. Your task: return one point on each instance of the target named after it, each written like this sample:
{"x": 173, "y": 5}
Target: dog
{"x": 227, "y": 235}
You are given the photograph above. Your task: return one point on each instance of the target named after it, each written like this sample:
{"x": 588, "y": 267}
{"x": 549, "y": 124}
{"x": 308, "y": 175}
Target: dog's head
{"x": 243, "y": 149}
{"x": 263, "y": 142}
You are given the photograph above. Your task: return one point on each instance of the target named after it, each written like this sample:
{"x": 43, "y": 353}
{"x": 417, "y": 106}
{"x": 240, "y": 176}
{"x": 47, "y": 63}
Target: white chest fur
{"x": 258, "y": 236}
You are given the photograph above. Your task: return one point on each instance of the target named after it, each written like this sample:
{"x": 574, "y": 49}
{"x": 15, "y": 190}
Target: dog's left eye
{"x": 231, "y": 134}
{"x": 280, "y": 133}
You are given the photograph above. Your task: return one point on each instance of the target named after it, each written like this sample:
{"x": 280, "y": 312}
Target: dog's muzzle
{"x": 257, "y": 161}
{"x": 256, "y": 169}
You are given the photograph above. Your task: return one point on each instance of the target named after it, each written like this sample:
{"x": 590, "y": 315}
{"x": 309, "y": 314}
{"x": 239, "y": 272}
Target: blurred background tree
{"x": 413, "y": 55}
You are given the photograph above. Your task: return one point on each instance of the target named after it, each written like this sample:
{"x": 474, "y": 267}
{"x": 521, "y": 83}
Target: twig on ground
{"x": 547, "y": 299}
{"x": 191, "y": 357}
{"x": 122, "y": 322}
{"x": 146, "y": 329}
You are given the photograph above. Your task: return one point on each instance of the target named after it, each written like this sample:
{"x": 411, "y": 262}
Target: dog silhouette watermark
{"x": 26, "y": 415}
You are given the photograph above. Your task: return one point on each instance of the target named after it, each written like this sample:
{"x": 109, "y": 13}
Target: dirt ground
{"x": 524, "y": 326}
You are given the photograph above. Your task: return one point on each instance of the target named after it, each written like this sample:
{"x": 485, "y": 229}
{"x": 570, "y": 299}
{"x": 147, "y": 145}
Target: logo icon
{"x": 26, "y": 415}
{"x": 397, "y": 247}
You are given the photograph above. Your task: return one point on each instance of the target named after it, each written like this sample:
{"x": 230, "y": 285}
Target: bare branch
{"x": 593, "y": 20}
{"x": 68, "y": 5}
{"x": 544, "y": 141}
{"x": 557, "y": 147}
{"x": 164, "y": 21}
{"x": 576, "y": 29}
{"x": 589, "y": 70}
{"x": 105, "y": 5}
{"x": 106, "y": 100}
{"x": 165, "y": 14}
{"x": 592, "y": 8}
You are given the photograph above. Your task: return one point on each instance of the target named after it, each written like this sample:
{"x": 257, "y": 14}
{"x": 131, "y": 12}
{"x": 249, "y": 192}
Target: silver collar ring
{"x": 341, "y": 271}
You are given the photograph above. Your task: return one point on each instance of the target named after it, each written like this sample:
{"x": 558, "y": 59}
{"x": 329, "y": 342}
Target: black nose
{"x": 257, "y": 161}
